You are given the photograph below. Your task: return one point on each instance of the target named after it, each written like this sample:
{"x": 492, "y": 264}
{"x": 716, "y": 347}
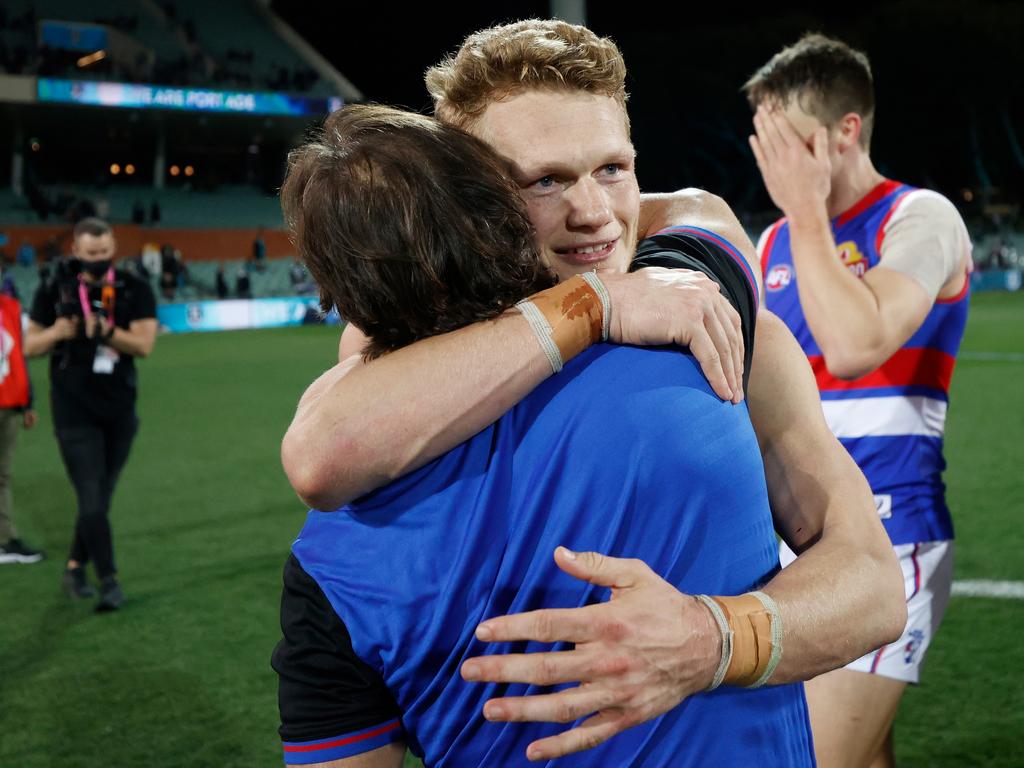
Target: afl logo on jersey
{"x": 852, "y": 258}
{"x": 778, "y": 277}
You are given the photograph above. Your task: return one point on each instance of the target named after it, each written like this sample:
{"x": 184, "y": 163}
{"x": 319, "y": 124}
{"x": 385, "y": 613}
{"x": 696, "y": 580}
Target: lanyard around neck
{"x": 107, "y": 296}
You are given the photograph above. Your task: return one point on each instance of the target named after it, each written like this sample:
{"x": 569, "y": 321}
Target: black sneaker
{"x": 111, "y": 595}
{"x": 15, "y": 551}
{"x": 75, "y": 584}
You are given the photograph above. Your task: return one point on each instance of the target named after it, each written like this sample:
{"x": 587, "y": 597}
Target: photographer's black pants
{"x": 94, "y": 455}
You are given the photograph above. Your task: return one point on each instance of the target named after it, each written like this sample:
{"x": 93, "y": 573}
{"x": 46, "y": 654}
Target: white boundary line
{"x": 1010, "y": 590}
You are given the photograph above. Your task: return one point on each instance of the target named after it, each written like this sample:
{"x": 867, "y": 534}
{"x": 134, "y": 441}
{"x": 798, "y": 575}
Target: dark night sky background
{"x": 950, "y": 103}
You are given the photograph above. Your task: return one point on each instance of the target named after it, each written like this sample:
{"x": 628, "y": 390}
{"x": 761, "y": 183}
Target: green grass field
{"x": 203, "y": 519}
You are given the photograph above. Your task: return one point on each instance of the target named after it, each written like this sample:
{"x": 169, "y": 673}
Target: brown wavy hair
{"x": 497, "y": 62}
{"x": 410, "y": 228}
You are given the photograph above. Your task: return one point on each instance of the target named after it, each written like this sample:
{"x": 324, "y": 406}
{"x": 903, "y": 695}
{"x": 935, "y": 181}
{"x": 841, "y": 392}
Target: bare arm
{"x": 138, "y": 340}
{"x": 651, "y": 646}
{"x": 39, "y": 340}
{"x": 886, "y": 306}
{"x": 843, "y": 595}
{"x": 699, "y": 209}
{"x": 373, "y": 422}
{"x": 388, "y": 756}
{"x": 365, "y": 424}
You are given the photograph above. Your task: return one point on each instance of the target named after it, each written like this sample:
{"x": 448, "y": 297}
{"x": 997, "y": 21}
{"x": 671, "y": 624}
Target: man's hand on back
{"x": 635, "y": 657}
{"x": 679, "y": 306}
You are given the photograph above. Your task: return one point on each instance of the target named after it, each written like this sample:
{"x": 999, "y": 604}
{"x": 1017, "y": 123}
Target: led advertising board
{"x": 138, "y": 96}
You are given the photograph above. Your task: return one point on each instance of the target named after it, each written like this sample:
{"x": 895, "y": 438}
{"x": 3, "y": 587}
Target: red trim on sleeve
{"x": 963, "y": 291}
{"x": 884, "y": 188}
{"x": 880, "y": 235}
{"x": 769, "y": 243}
{"x": 919, "y": 367}
{"x": 345, "y": 740}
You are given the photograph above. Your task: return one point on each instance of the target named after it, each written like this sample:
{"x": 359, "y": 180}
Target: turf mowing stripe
{"x": 994, "y": 357}
{"x": 1011, "y": 590}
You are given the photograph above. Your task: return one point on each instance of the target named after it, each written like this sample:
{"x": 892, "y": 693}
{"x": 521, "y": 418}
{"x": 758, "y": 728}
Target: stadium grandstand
{"x": 173, "y": 121}
{"x": 170, "y": 118}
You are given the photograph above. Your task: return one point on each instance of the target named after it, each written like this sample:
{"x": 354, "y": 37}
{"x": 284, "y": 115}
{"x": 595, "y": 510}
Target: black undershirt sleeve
{"x": 143, "y": 302}
{"x": 686, "y": 250}
{"x": 324, "y": 688}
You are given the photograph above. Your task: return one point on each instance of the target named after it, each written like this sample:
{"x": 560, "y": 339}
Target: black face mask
{"x": 95, "y": 268}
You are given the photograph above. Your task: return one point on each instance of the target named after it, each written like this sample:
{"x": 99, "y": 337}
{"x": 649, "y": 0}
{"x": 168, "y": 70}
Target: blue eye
{"x": 546, "y": 182}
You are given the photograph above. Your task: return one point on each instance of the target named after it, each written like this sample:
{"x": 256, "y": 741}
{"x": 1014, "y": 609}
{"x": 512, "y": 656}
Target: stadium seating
{"x": 225, "y": 26}
{"x": 198, "y": 283}
{"x": 234, "y": 46}
{"x": 230, "y": 206}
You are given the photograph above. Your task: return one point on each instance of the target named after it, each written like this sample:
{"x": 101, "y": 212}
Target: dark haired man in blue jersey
{"x": 549, "y": 96}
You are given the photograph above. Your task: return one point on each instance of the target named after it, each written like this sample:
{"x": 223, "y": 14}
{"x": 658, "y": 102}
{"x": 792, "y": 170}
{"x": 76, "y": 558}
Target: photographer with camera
{"x": 94, "y": 320}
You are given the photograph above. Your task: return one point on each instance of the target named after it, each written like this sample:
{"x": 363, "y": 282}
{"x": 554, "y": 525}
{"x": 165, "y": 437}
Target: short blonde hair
{"x": 497, "y": 62}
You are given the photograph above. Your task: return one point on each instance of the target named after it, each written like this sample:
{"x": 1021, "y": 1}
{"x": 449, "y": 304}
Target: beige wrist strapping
{"x": 569, "y": 317}
{"x": 751, "y": 628}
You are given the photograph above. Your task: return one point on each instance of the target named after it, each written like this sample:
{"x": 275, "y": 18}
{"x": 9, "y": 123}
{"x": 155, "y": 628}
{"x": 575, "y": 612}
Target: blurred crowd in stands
{"x": 164, "y": 267}
{"x": 21, "y": 53}
{"x": 65, "y": 205}
{"x": 1001, "y": 255}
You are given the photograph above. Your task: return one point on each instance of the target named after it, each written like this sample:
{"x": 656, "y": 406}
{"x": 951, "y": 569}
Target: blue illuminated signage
{"x": 137, "y": 96}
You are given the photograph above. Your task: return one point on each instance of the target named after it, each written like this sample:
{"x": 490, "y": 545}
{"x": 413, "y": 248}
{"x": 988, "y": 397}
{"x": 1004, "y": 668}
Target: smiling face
{"x": 571, "y": 156}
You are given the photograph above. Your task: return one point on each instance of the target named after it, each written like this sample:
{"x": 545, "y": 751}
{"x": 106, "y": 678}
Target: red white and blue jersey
{"x": 892, "y": 421}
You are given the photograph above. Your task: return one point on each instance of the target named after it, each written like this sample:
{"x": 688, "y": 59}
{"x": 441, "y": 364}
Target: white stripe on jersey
{"x": 885, "y": 416}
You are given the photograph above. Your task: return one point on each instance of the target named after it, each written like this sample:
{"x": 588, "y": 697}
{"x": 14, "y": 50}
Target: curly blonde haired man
{"x": 549, "y": 97}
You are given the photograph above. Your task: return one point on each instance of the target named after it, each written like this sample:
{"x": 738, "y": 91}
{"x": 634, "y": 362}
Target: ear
{"x": 848, "y": 131}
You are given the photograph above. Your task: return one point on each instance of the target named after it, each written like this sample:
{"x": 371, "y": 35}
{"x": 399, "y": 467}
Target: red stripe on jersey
{"x": 962, "y": 292}
{"x": 768, "y": 244}
{"x": 881, "y": 228}
{"x": 343, "y": 741}
{"x": 908, "y": 367}
{"x": 884, "y": 188}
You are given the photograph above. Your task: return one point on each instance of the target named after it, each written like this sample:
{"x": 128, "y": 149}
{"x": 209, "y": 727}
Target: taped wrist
{"x": 751, "y": 629}
{"x": 569, "y": 317}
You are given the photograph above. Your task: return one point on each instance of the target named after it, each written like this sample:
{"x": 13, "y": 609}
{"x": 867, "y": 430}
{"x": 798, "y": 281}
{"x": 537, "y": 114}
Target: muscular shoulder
{"x": 926, "y": 239}
{"x": 928, "y": 207}
{"x": 696, "y": 207}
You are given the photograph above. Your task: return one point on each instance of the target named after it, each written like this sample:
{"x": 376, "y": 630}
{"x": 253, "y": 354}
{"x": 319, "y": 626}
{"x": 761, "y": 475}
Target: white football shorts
{"x": 927, "y": 580}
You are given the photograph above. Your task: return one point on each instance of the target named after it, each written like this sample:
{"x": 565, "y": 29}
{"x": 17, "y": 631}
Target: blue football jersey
{"x": 627, "y": 452}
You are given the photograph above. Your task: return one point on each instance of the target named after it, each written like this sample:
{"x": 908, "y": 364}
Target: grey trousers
{"x": 10, "y": 425}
